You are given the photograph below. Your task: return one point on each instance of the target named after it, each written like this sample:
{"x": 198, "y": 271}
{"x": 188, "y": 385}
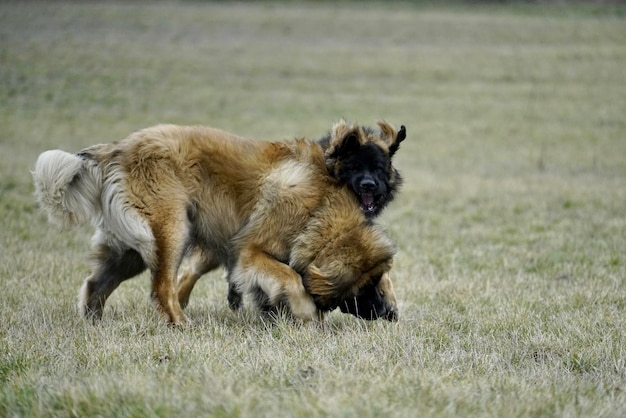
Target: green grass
{"x": 511, "y": 227}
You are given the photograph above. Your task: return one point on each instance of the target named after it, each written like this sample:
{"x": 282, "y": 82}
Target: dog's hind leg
{"x": 171, "y": 235}
{"x": 111, "y": 267}
{"x": 200, "y": 262}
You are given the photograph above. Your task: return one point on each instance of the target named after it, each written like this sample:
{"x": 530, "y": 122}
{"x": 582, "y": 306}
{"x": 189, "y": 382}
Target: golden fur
{"x": 268, "y": 211}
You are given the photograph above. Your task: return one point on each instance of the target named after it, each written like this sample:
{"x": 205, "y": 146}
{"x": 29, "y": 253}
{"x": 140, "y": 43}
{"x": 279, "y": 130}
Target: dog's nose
{"x": 391, "y": 315}
{"x": 368, "y": 184}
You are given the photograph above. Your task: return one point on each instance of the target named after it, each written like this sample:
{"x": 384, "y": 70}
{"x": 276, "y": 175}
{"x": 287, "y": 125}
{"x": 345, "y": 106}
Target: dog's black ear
{"x": 345, "y": 139}
{"x": 348, "y": 145}
{"x": 401, "y": 136}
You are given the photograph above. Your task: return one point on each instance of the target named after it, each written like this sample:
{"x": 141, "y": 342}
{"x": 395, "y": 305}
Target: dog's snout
{"x": 391, "y": 315}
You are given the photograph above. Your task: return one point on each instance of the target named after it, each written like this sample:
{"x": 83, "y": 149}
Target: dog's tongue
{"x": 367, "y": 200}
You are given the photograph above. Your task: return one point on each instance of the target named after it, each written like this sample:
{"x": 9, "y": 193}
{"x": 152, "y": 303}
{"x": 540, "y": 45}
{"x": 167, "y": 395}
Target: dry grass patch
{"x": 510, "y": 228}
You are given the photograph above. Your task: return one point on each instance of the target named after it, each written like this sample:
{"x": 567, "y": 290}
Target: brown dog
{"x": 268, "y": 211}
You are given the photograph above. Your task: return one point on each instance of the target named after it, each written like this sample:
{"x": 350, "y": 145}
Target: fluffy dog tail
{"x": 67, "y": 188}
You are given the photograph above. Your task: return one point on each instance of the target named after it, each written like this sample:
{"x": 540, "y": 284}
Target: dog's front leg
{"x": 257, "y": 269}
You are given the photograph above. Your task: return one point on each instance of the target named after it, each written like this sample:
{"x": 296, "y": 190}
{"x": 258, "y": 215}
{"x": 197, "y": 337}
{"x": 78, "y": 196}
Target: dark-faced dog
{"x": 363, "y": 161}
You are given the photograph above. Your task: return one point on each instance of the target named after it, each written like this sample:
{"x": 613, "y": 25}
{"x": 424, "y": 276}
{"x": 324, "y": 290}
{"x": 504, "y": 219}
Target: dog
{"x": 361, "y": 158}
{"x": 268, "y": 211}
{"x": 364, "y": 162}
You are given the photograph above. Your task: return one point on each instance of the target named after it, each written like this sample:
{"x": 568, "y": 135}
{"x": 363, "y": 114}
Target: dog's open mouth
{"x": 368, "y": 204}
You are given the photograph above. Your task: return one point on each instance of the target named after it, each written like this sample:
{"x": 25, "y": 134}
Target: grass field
{"x": 511, "y": 226}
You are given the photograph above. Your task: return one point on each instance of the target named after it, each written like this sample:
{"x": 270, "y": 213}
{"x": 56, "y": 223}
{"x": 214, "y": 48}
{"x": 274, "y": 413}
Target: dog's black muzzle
{"x": 369, "y": 193}
{"x": 370, "y": 305}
